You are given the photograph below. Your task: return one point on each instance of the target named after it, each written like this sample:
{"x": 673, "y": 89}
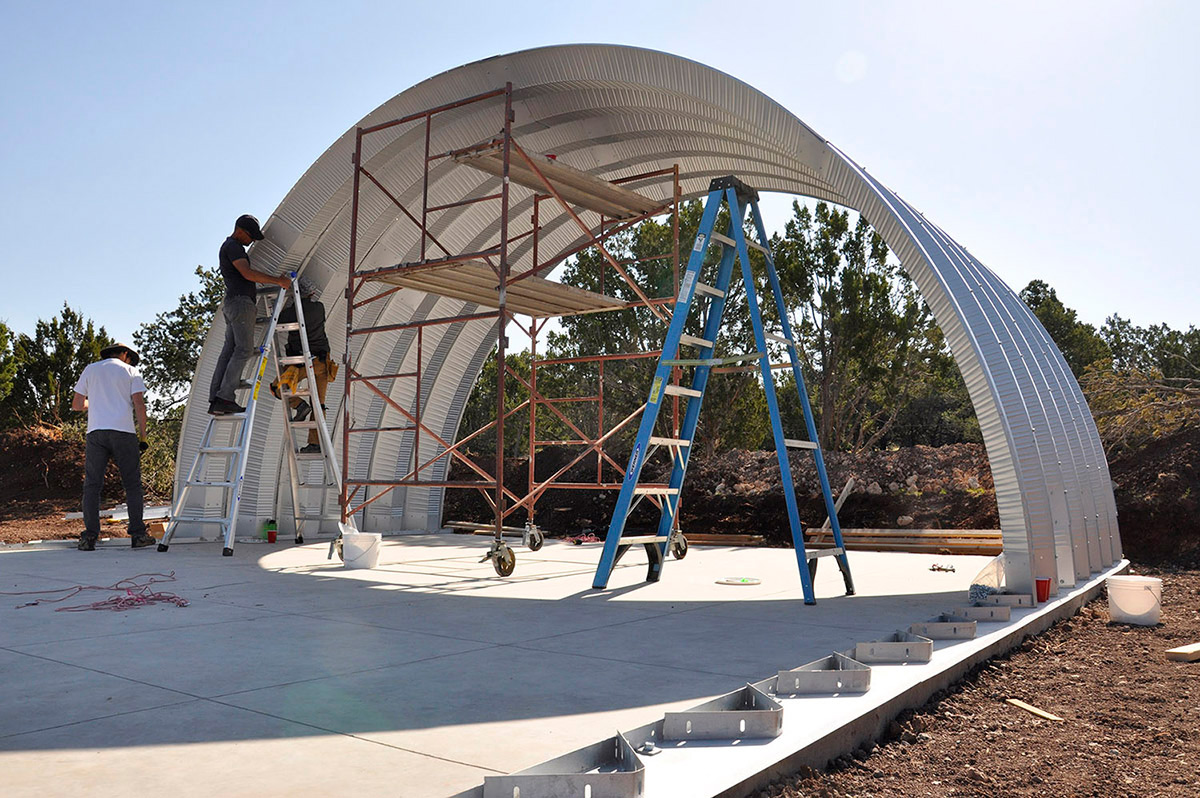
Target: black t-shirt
{"x": 235, "y": 283}
{"x": 314, "y": 325}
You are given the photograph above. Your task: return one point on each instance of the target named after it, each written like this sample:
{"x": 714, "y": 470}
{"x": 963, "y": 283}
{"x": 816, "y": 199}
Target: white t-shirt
{"x": 108, "y": 385}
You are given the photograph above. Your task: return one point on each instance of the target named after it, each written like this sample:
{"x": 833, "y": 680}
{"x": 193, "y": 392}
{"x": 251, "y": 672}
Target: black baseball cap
{"x": 250, "y": 225}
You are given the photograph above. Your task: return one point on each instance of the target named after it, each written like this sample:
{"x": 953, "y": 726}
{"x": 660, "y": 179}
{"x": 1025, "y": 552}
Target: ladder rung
{"x": 679, "y": 390}
{"x": 317, "y": 484}
{"x": 781, "y": 339}
{"x": 196, "y": 519}
{"x": 723, "y": 239}
{"x": 792, "y": 443}
{"x": 835, "y": 551}
{"x": 220, "y": 449}
{"x": 696, "y": 341}
{"x": 309, "y": 456}
{"x": 634, "y": 540}
{"x": 655, "y": 490}
{"x": 312, "y": 424}
{"x": 702, "y": 288}
{"x": 299, "y": 392}
{"x": 291, "y": 361}
{"x": 755, "y": 245}
{"x": 657, "y": 441}
{"x": 211, "y": 484}
{"x": 288, "y": 326}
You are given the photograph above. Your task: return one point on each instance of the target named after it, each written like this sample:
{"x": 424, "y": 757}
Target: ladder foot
{"x": 299, "y": 540}
{"x": 655, "y": 555}
{"x": 810, "y": 601}
{"x": 163, "y": 547}
{"x": 226, "y": 552}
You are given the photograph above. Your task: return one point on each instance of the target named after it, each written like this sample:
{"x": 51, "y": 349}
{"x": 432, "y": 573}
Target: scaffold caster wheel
{"x": 226, "y": 552}
{"x": 536, "y": 539}
{"x": 504, "y": 560}
{"x": 679, "y": 546}
{"x": 163, "y": 547}
{"x": 299, "y": 540}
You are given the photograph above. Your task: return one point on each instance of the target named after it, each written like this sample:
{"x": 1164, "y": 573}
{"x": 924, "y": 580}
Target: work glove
{"x": 143, "y": 445}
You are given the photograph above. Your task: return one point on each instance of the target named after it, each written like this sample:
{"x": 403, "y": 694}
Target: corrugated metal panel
{"x": 615, "y": 111}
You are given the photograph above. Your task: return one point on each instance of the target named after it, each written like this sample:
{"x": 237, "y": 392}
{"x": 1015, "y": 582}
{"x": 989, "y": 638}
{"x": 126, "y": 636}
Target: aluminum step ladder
{"x": 298, "y": 461}
{"x": 735, "y": 195}
{"x": 226, "y": 438}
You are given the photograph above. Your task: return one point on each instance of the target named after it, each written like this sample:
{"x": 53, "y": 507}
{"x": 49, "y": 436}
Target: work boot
{"x": 86, "y": 542}
{"x": 141, "y": 541}
{"x": 303, "y": 411}
{"x": 312, "y": 448}
{"x": 224, "y": 407}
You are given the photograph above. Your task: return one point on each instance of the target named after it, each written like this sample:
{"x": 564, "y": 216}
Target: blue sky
{"x": 1054, "y": 140}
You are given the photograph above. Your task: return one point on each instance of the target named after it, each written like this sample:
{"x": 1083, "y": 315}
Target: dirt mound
{"x": 41, "y": 477}
{"x": 1157, "y": 491}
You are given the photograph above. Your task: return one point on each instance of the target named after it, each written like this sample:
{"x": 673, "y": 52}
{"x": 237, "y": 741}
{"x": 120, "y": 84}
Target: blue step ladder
{"x": 737, "y": 197}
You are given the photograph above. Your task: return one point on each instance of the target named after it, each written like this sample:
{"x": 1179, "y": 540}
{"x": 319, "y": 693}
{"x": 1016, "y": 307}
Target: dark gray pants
{"x": 122, "y": 448}
{"x": 239, "y": 313}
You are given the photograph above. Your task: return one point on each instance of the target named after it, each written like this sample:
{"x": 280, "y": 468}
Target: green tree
{"x": 47, "y": 366}
{"x": 1149, "y": 388}
{"x": 8, "y": 362}
{"x": 1175, "y": 354}
{"x": 735, "y": 413}
{"x": 170, "y": 345}
{"x": 1077, "y": 340}
{"x": 867, "y": 341}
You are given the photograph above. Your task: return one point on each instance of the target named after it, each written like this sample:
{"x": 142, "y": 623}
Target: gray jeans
{"x": 239, "y": 313}
{"x": 122, "y": 448}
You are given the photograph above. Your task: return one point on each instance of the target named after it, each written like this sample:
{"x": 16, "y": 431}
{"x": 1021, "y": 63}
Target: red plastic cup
{"x": 1043, "y": 588}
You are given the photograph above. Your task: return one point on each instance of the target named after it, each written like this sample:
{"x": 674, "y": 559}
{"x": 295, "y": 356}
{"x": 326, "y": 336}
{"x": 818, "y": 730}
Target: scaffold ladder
{"x": 226, "y": 440}
{"x": 737, "y": 197}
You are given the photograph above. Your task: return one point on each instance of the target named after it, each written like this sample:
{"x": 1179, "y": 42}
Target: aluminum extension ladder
{"x": 737, "y": 197}
{"x": 227, "y": 437}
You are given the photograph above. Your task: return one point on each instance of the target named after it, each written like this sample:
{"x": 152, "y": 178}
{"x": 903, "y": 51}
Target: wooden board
{"x": 1189, "y": 653}
{"x": 474, "y": 281}
{"x": 1041, "y": 713}
{"x": 703, "y": 539}
{"x": 574, "y": 185}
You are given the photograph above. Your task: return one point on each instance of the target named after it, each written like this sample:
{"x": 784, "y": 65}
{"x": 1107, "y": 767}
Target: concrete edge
{"x": 871, "y": 726}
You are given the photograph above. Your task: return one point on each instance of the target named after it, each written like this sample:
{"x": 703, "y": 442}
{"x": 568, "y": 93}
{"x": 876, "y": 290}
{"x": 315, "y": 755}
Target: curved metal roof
{"x": 617, "y": 111}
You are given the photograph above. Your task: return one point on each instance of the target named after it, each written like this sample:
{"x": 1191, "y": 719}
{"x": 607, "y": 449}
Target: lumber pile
{"x": 917, "y": 541}
{"x": 709, "y": 539}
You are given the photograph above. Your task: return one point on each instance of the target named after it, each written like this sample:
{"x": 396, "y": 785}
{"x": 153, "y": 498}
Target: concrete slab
{"x": 291, "y": 674}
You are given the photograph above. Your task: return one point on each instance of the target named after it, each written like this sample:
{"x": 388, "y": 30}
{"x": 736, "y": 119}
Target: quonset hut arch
{"x": 617, "y": 111}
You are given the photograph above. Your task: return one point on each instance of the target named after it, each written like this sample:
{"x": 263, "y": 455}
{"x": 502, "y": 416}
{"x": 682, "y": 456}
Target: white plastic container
{"x": 361, "y": 549}
{"x": 1134, "y": 599}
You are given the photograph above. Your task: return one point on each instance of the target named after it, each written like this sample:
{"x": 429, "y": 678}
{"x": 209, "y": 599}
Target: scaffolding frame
{"x": 503, "y": 157}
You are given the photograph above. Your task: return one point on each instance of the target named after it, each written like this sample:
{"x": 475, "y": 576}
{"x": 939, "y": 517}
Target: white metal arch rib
{"x": 616, "y": 111}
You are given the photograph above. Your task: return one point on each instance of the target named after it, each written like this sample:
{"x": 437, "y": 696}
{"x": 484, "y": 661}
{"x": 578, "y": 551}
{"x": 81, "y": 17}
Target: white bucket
{"x": 361, "y": 549}
{"x": 1134, "y": 599}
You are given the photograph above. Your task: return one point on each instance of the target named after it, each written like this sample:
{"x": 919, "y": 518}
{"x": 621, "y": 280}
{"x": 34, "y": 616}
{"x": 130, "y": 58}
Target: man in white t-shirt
{"x": 112, "y": 392}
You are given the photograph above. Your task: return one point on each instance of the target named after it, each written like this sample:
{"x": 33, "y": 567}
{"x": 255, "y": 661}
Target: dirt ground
{"x": 1131, "y": 719}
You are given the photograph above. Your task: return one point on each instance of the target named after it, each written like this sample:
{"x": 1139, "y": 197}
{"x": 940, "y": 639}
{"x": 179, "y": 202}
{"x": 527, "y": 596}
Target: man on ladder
{"x": 239, "y": 309}
{"x": 323, "y": 367}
